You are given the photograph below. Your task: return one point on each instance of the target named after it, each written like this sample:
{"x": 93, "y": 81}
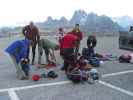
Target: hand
{"x": 24, "y": 60}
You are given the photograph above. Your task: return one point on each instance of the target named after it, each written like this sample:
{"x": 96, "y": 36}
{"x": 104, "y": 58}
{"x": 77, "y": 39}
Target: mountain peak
{"x": 124, "y": 21}
{"x": 79, "y": 17}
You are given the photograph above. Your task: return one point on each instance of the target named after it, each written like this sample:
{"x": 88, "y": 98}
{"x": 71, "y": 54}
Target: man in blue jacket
{"x": 18, "y": 51}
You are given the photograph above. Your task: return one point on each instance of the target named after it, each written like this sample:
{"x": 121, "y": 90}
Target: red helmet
{"x": 36, "y": 77}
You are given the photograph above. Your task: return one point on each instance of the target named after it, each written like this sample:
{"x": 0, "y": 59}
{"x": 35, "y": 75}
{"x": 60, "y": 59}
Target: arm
{"x": 24, "y": 51}
{"x": 24, "y": 31}
{"x": 22, "y": 54}
{"x": 88, "y": 42}
{"x": 52, "y": 55}
{"x": 40, "y": 53}
{"x": 37, "y": 34}
{"x": 94, "y": 42}
{"x": 81, "y": 35}
{"x": 12, "y": 48}
{"x": 40, "y": 49}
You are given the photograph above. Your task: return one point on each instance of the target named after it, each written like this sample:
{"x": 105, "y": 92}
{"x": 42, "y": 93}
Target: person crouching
{"x": 18, "y": 52}
{"x": 49, "y": 47}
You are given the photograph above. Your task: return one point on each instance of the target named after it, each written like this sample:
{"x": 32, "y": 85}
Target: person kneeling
{"x": 80, "y": 73}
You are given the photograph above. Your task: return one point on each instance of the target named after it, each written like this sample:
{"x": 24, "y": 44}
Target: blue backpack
{"x": 94, "y": 62}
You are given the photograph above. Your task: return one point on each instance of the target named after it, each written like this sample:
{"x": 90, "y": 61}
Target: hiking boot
{"x": 23, "y": 78}
{"x": 27, "y": 77}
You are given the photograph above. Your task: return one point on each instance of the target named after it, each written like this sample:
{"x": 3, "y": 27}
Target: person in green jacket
{"x": 48, "y": 47}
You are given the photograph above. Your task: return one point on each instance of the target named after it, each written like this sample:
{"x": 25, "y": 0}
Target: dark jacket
{"x": 91, "y": 41}
{"x": 31, "y": 34}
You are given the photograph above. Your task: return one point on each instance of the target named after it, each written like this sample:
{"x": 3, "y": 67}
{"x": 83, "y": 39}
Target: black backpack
{"x": 88, "y": 53}
{"x": 52, "y": 74}
{"x": 95, "y": 62}
{"x": 91, "y": 41}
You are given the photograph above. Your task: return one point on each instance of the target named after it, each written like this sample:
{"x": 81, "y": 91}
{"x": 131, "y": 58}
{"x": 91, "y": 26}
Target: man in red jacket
{"x": 31, "y": 33}
{"x": 68, "y": 44}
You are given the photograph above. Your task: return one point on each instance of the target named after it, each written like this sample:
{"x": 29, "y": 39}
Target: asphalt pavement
{"x": 115, "y": 82}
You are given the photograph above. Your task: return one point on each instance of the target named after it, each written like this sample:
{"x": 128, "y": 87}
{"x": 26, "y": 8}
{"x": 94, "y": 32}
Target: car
{"x": 126, "y": 40}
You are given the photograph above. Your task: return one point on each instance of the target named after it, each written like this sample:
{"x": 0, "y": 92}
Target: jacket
{"x": 19, "y": 49}
{"x": 31, "y": 34}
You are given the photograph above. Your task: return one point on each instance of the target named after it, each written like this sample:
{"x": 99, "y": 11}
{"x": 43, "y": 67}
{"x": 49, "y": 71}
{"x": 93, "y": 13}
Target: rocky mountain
{"x": 79, "y": 16}
{"x": 124, "y": 21}
{"x": 95, "y": 23}
{"x": 51, "y": 23}
{"x": 89, "y": 22}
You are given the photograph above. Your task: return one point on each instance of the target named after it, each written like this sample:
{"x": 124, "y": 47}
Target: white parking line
{"x": 4, "y": 90}
{"x": 35, "y": 86}
{"x": 117, "y": 73}
{"x": 12, "y": 94}
{"x": 117, "y": 88}
{"x": 62, "y": 82}
{"x": 42, "y": 85}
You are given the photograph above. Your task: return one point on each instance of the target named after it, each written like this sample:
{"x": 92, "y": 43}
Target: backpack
{"x": 94, "y": 74}
{"x": 25, "y": 66}
{"x": 87, "y": 53}
{"x": 52, "y": 74}
{"x": 95, "y": 62}
{"x": 124, "y": 59}
{"x": 77, "y": 76}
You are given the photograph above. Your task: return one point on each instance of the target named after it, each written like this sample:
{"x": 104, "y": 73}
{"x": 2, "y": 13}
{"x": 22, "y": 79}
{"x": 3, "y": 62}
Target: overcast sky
{"x": 20, "y": 12}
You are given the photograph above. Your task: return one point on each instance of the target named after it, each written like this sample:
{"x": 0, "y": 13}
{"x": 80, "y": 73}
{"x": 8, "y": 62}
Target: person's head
{"x": 76, "y": 28}
{"x": 81, "y": 58}
{"x": 94, "y": 34}
{"x": 60, "y": 29}
{"x": 31, "y": 24}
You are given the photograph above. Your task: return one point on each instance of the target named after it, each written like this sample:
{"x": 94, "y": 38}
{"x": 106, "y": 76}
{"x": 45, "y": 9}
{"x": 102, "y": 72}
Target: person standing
{"x": 76, "y": 31}
{"x": 60, "y": 34}
{"x": 31, "y": 32}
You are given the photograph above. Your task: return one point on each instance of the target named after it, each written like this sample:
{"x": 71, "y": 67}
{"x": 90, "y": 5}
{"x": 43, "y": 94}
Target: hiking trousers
{"x": 19, "y": 71}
